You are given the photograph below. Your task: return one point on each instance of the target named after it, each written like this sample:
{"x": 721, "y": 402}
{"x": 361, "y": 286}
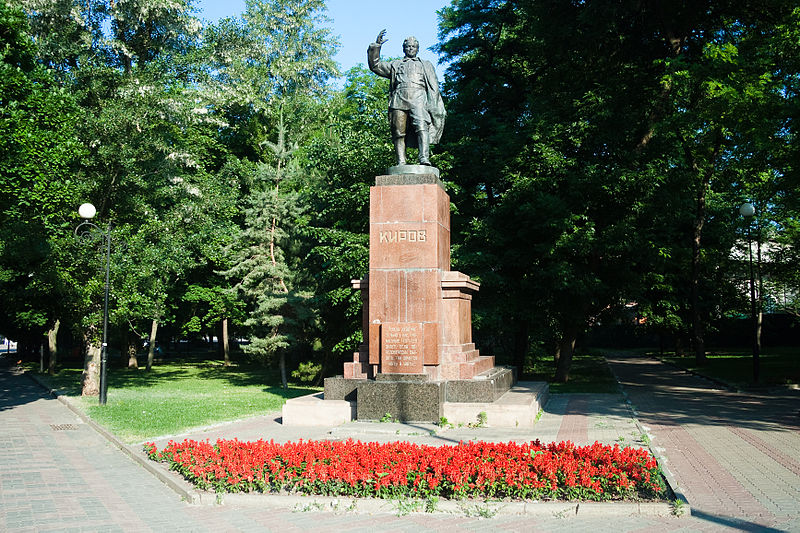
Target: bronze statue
{"x": 413, "y": 97}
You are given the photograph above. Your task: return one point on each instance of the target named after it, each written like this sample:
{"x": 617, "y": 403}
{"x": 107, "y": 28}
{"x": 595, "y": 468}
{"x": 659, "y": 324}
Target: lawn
{"x": 589, "y": 373}
{"x": 778, "y": 366}
{"x": 177, "y": 395}
{"x": 180, "y": 394}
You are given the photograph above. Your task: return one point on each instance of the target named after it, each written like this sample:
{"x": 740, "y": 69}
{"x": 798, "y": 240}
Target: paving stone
{"x": 736, "y": 456}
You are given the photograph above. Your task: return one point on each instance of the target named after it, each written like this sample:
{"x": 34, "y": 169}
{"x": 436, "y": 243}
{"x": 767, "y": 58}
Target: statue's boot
{"x": 424, "y": 147}
{"x": 400, "y": 150}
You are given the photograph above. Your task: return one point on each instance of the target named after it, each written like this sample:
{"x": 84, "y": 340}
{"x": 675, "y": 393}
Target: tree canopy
{"x": 596, "y": 154}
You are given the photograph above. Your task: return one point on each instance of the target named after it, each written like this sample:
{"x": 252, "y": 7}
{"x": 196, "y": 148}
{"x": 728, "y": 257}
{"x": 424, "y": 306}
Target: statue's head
{"x": 411, "y": 47}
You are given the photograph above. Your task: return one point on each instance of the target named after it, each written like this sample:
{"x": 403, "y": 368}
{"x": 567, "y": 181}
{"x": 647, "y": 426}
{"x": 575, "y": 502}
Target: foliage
{"x": 342, "y": 160}
{"x": 38, "y": 155}
{"x": 307, "y": 372}
{"x": 400, "y": 469}
{"x": 596, "y": 153}
{"x": 603, "y": 150}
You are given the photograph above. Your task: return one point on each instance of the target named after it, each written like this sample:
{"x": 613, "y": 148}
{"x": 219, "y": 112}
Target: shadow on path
{"x": 677, "y": 397}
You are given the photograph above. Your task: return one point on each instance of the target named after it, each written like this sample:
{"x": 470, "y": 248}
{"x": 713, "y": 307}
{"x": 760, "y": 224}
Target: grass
{"x": 177, "y": 395}
{"x": 778, "y": 366}
{"x": 589, "y": 373}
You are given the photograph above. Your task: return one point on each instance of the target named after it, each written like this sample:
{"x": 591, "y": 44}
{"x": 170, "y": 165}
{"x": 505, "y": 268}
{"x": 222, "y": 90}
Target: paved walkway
{"x": 735, "y": 456}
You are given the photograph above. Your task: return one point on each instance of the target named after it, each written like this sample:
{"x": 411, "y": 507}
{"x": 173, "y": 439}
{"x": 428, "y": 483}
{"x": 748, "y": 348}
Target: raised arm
{"x": 374, "y": 56}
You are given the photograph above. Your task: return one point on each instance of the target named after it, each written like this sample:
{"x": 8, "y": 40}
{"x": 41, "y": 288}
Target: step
{"x": 357, "y": 370}
{"x": 475, "y": 367}
{"x": 461, "y": 357}
{"x": 449, "y": 348}
{"x": 517, "y": 408}
{"x": 361, "y": 356}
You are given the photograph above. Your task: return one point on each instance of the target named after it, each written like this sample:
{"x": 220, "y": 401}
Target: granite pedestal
{"x": 417, "y": 319}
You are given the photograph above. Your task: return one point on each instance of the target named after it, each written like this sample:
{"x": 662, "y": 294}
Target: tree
{"x": 38, "y": 156}
{"x": 152, "y": 155}
{"x": 342, "y": 160}
{"x": 262, "y": 274}
{"x": 279, "y": 61}
{"x": 607, "y": 112}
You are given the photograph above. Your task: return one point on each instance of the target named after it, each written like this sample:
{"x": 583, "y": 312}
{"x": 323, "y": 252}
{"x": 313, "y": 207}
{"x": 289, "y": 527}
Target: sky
{"x": 357, "y": 23}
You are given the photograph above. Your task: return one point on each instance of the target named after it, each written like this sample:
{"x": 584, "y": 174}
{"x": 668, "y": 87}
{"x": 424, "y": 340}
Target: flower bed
{"x": 400, "y": 469}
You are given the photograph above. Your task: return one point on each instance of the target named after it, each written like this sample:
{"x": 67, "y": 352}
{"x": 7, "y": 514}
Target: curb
{"x": 470, "y": 508}
{"x": 183, "y": 489}
{"x": 299, "y": 503}
{"x": 684, "y": 509}
{"x": 730, "y": 387}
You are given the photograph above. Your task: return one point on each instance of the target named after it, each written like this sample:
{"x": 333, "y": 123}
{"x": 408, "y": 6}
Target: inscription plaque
{"x": 401, "y": 348}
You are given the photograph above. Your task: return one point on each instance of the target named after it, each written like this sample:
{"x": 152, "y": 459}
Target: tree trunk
{"x": 679, "y": 350}
{"x": 284, "y": 381}
{"x": 520, "y": 346}
{"x": 698, "y": 330}
{"x": 151, "y": 350}
{"x": 568, "y": 339}
{"x": 131, "y": 348}
{"x": 226, "y": 351}
{"x": 52, "y": 344}
{"x": 557, "y": 353}
{"x": 90, "y": 379}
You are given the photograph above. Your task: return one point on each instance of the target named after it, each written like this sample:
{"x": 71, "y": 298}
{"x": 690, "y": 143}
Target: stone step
{"x": 461, "y": 357}
{"x": 361, "y": 370}
{"x": 314, "y": 410}
{"x": 475, "y": 367}
{"x": 361, "y": 356}
{"x": 517, "y": 408}
{"x": 450, "y": 348}
{"x": 449, "y": 371}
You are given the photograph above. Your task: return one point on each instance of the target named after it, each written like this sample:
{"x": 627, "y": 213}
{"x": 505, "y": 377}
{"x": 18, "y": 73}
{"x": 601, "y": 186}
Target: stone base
{"x": 416, "y": 397}
{"x": 516, "y": 408}
{"x": 400, "y": 170}
{"x": 406, "y": 401}
{"x": 486, "y": 387}
{"x": 313, "y": 410}
{"x": 341, "y": 388}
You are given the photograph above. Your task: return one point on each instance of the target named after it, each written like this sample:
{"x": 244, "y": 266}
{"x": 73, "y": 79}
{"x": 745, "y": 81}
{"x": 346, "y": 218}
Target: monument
{"x": 417, "y": 362}
{"x": 418, "y": 352}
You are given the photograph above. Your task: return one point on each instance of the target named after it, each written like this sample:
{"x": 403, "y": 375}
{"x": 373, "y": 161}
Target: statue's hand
{"x": 380, "y": 39}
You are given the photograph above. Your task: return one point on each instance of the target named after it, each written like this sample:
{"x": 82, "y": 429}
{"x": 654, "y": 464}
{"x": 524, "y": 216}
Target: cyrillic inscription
{"x": 401, "y": 348}
{"x": 398, "y": 236}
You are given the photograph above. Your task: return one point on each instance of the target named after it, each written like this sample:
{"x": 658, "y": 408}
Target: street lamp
{"x": 747, "y": 210}
{"x": 87, "y": 212}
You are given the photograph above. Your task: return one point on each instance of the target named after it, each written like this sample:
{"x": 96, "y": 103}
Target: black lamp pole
{"x": 87, "y": 211}
{"x": 748, "y": 211}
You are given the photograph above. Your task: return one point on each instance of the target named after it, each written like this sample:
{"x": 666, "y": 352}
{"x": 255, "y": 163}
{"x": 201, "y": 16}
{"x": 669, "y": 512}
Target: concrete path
{"x": 58, "y": 474}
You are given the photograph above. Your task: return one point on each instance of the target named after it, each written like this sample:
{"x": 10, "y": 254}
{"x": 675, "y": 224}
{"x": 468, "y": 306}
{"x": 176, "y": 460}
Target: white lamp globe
{"x": 747, "y": 209}
{"x": 87, "y": 211}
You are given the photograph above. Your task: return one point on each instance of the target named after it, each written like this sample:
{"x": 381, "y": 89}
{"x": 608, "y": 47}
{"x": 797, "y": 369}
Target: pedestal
{"x": 417, "y": 321}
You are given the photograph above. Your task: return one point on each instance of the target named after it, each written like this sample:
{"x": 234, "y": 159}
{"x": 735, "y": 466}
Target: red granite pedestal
{"x": 417, "y": 320}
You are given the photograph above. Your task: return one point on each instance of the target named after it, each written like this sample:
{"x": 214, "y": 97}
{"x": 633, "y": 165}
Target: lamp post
{"x": 87, "y": 212}
{"x": 747, "y": 210}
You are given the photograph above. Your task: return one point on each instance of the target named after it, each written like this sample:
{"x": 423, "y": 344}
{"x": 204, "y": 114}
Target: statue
{"x": 413, "y": 97}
